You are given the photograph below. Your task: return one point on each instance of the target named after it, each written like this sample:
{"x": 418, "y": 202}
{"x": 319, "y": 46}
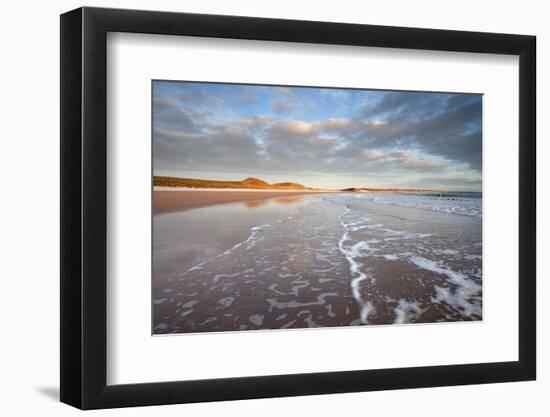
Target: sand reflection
{"x": 279, "y": 200}
{"x": 290, "y": 200}
{"x": 255, "y": 203}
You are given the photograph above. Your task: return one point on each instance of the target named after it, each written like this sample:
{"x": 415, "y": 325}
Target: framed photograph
{"x": 257, "y": 208}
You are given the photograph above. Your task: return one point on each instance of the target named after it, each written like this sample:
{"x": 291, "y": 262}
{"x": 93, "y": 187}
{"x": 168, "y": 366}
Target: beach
{"x": 167, "y": 200}
{"x": 250, "y": 260}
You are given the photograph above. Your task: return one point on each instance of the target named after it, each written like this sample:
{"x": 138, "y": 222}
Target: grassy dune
{"x": 248, "y": 183}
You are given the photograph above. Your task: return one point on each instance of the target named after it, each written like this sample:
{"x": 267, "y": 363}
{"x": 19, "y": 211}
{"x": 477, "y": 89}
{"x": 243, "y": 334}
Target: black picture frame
{"x": 84, "y": 207}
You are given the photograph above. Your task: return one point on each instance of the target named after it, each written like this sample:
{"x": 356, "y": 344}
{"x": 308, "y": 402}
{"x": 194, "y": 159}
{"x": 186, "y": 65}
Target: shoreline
{"x": 246, "y": 190}
{"x": 181, "y": 199}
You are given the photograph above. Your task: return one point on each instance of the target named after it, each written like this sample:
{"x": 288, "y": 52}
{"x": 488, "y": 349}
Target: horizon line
{"x": 343, "y": 188}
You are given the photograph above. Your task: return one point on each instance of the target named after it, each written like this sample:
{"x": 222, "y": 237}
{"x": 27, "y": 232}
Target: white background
{"x": 133, "y": 60}
{"x": 29, "y": 228}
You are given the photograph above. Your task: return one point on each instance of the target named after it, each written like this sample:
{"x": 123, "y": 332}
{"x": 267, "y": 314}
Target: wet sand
{"x": 171, "y": 201}
{"x": 313, "y": 261}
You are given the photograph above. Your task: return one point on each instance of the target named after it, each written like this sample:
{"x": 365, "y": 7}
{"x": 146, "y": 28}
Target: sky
{"x": 319, "y": 137}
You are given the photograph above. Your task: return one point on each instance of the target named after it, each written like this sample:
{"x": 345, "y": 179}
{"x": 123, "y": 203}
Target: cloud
{"x": 393, "y": 134}
{"x": 283, "y": 106}
{"x": 250, "y": 98}
{"x": 168, "y": 113}
{"x": 373, "y": 155}
{"x": 439, "y": 124}
{"x": 410, "y": 162}
{"x": 445, "y": 183}
{"x": 291, "y": 128}
{"x": 270, "y": 144}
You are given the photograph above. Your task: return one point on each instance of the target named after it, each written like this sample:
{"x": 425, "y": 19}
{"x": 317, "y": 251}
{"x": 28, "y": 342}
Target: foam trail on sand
{"x": 366, "y": 307}
{"x": 466, "y": 296}
{"x": 405, "y": 311}
{"x": 255, "y": 236}
{"x": 293, "y": 304}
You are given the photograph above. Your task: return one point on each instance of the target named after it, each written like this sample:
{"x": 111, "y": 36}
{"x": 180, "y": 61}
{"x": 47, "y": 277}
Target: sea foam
{"x": 358, "y": 275}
